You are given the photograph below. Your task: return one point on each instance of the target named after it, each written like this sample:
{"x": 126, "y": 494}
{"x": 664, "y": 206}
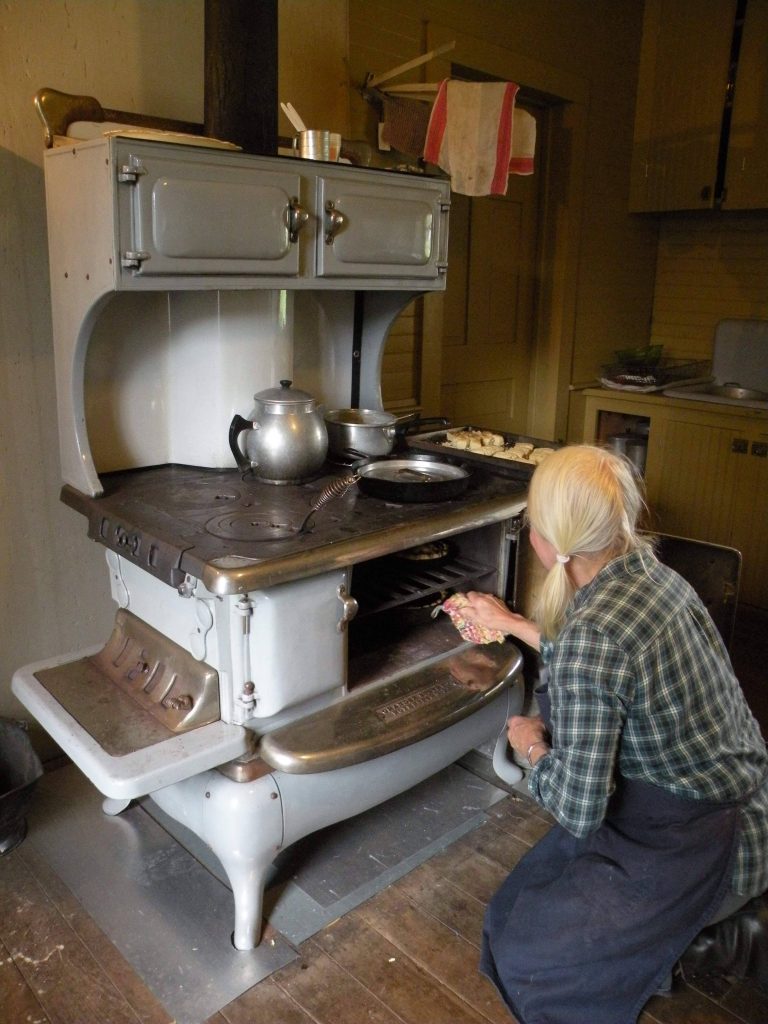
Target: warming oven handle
{"x": 297, "y": 218}
{"x": 334, "y": 222}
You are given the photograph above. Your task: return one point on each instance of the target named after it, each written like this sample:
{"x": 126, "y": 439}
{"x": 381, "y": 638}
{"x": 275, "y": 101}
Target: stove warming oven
{"x": 259, "y": 682}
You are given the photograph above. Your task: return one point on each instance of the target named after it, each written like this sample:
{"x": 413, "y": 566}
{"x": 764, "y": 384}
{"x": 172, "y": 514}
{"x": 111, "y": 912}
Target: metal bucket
{"x": 633, "y": 447}
{"x": 318, "y": 145}
{"x": 20, "y": 768}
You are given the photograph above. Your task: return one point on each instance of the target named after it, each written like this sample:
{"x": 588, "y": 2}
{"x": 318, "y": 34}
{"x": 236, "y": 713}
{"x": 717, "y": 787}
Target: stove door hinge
{"x": 515, "y": 527}
{"x": 132, "y": 259}
{"x": 119, "y": 589}
{"x": 129, "y": 174}
{"x": 198, "y": 640}
{"x": 187, "y": 586}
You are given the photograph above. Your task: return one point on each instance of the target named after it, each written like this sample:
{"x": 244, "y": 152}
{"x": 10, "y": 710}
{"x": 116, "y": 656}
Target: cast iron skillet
{"x": 406, "y": 478}
{"x": 411, "y": 478}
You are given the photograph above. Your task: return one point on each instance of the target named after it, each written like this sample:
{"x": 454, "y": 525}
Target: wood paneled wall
{"x": 710, "y": 267}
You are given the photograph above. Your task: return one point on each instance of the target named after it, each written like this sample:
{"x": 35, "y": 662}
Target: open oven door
{"x": 135, "y": 715}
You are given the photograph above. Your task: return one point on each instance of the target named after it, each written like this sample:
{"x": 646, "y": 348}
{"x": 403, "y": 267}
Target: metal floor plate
{"x": 169, "y": 911}
{"x": 169, "y": 917}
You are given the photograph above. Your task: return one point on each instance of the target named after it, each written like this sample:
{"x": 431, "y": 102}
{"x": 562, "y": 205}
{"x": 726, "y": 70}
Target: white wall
{"x": 142, "y": 55}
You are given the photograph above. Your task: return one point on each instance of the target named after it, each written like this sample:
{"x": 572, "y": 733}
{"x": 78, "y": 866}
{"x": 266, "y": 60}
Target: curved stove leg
{"x": 247, "y": 876}
{"x": 112, "y": 806}
{"x": 243, "y": 825}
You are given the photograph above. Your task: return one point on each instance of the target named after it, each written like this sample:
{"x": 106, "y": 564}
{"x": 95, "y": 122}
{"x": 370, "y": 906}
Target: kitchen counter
{"x": 706, "y": 472}
{"x": 659, "y": 399}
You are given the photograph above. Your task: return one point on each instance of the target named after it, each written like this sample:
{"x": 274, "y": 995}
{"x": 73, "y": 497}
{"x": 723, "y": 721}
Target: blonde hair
{"x": 586, "y": 502}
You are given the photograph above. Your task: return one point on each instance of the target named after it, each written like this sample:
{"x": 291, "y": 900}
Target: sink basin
{"x": 722, "y": 394}
{"x": 739, "y": 368}
{"x": 736, "y": 391}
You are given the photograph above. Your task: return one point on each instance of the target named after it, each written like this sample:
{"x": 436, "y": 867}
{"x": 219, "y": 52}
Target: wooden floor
{"x": 407, "y": 956}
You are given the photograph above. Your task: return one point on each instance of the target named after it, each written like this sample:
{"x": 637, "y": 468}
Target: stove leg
{"x": 247, "y": 876}
{"x": 112, "y": 806}
{"x": 242, "y": 822}
{"x": 243, "y": 825}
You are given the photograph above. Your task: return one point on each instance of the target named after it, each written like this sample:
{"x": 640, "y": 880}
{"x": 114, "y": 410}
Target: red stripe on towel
{"x": 436, "y": 128}
{"x": 504, "y": 141}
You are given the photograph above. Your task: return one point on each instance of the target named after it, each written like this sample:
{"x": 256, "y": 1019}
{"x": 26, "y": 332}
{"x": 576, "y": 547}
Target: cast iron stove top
{"x": 238, "y": 533}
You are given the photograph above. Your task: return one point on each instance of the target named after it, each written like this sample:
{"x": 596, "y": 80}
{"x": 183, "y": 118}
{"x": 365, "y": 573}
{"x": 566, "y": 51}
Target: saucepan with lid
{"x": 369, "y": 432}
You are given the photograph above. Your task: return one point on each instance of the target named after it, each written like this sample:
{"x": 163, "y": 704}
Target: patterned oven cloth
{"x": 470, "y": 631}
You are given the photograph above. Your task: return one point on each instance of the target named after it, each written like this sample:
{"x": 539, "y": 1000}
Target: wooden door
{"x": 488, "y": 318}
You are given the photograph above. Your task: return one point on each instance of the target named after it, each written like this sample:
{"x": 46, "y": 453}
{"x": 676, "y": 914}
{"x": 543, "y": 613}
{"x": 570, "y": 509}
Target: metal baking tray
{"x": 433, "y": 442}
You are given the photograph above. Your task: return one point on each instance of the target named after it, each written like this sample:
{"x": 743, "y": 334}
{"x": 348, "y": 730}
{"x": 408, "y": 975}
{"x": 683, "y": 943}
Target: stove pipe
{"x": 241, "y": 73}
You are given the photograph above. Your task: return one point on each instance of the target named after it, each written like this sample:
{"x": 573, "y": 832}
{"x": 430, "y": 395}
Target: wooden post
{"x": 241, "y": 73}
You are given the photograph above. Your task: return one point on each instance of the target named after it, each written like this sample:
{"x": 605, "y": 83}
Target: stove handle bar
{"x": 394, "y": 713}
{"x": 142, "y": 771}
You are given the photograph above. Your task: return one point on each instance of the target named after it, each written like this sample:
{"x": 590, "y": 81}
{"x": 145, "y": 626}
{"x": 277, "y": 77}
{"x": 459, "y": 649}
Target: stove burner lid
{"x": 255, "y": 526}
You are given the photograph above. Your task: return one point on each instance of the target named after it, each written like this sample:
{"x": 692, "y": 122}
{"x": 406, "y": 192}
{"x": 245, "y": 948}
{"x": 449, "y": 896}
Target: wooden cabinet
{"x": 706, "y": 473}
{"x": 687, "y": 156}
{"x": 746, "y": 180}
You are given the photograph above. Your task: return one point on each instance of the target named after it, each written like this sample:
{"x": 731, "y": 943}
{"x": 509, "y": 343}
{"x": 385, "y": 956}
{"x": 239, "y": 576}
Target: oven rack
{"x": 385, "y": 584}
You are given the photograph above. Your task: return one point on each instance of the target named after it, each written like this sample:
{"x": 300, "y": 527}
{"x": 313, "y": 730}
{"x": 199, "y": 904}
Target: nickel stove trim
{"x": 146, "y": 387}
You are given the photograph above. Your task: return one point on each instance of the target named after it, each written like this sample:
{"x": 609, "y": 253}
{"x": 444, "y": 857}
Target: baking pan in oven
{"x": 435, "y": 442}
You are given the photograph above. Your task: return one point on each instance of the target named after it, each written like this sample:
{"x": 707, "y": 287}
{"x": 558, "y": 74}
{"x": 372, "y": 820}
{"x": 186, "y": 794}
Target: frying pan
{"x": 411, "y": 478}
{"x": 407, "y": 478}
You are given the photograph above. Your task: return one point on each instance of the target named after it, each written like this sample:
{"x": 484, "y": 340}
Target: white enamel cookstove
{"x": 259, "y": 683}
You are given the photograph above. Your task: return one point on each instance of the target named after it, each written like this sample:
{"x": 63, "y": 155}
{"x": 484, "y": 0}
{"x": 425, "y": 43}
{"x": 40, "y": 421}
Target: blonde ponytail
{"x": 585, "y": 502}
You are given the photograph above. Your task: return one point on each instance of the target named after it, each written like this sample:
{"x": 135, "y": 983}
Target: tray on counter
{"x": 434, "y": 442}
{"x": 655, "y": 376}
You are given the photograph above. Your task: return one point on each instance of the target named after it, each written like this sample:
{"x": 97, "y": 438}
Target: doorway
{"x": 489, "y": 313}
{"x": 488, "y": 316}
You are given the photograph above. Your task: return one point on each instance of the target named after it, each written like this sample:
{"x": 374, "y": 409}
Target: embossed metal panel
{"x": 206, "y": 215}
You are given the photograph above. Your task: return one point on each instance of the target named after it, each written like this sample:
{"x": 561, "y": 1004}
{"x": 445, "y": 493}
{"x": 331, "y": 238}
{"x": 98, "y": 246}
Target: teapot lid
{"x": 284, "y": 395}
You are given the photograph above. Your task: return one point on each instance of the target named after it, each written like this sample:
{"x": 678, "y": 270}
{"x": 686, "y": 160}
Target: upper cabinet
{"x": 747, "y": 171}
{"x": 133, "y": 214}
{"x": 701, "y": 121}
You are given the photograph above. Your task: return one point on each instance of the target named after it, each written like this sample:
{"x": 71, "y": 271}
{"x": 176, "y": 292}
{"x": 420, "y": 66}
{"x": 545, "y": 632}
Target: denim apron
{"x": 585, "y": 930}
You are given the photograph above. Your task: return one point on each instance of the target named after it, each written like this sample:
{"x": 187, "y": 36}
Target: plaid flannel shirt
{"x": 640, "y": 681}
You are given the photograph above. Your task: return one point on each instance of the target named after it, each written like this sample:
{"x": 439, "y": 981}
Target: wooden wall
{"x": 613, "y": 257}
{"x": 710, "y": 267}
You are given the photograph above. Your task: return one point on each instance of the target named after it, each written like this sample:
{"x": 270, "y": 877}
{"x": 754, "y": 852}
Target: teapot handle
{"x": 236, "y": 427}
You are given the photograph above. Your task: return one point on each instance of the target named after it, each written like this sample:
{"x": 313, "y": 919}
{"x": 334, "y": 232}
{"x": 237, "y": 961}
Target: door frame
{"x": 562, "y": 163}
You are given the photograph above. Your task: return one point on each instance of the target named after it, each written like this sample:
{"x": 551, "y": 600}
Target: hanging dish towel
{"x": 477, "y": 136}
{"x": 405, "y": 124}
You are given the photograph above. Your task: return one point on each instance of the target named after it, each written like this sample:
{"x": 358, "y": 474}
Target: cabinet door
{"x": 191, "y": 212}
{"x": 746, "y": 177}
{"x": 373, "y": 230}
{"x": 691, "y": 478}
{"x": 750, "y": 516}
{"x": 710, "y": 483}
{"x": 681, "y": 95}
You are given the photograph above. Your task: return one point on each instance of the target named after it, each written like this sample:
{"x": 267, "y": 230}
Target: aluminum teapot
{"x": 286, "y": 440}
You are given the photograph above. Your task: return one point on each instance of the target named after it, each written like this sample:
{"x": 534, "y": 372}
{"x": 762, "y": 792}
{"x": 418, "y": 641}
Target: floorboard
{"x": 408, "y": 955}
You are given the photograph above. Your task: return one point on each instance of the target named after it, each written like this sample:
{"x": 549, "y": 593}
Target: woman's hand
{"x": 522, "y": 732}
{"x": 491, "y": 612}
